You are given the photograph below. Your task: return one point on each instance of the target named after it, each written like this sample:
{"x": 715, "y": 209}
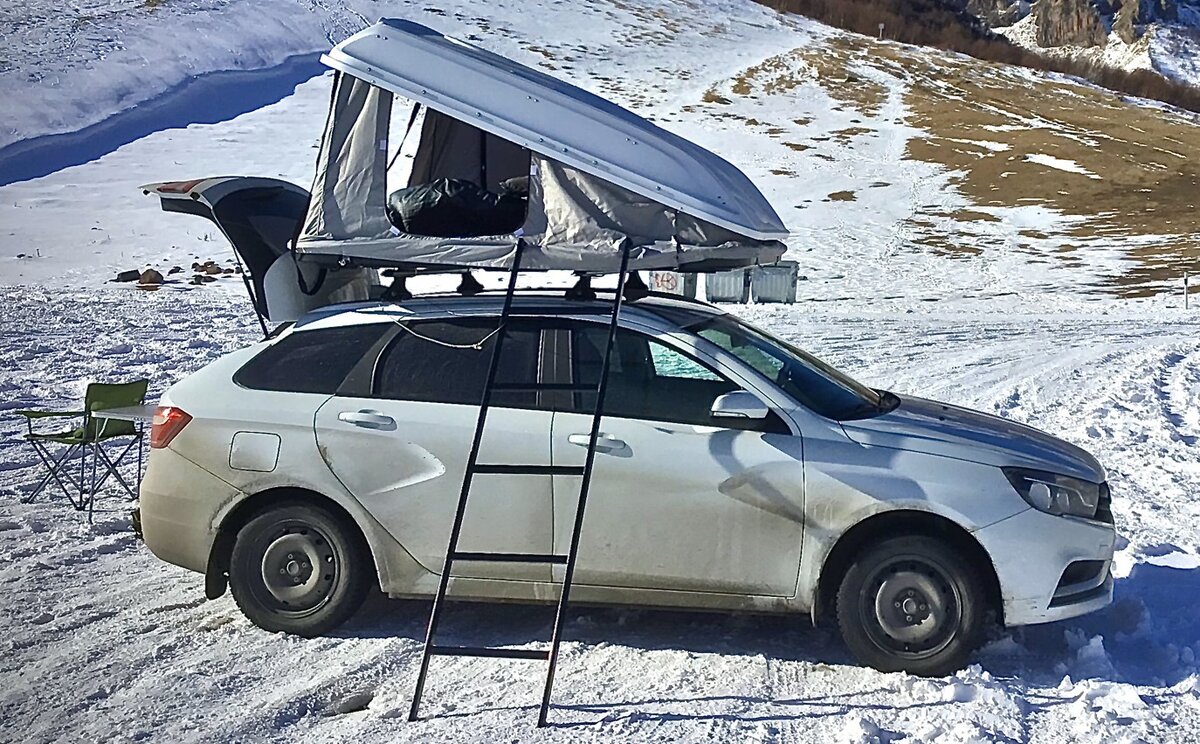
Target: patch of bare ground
{"x": 949, "y": 246}
{"x": 841, "y": 196}
{"x": 971, "y": 215}
{"x": 845, "y": 136}
{"x": 833, "y": 65}
{"x": 1127, "y": 171}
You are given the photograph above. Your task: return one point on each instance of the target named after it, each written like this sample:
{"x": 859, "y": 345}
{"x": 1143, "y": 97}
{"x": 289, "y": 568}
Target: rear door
{"x": 398, "y": 434}
{"x": 260, "y": 217}
{"x": 678, "y": 500}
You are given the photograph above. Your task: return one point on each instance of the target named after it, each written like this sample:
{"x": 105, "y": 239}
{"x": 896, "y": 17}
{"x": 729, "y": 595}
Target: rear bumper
{"x": 1038, "y": 559}
{"x": 179, "y": 503}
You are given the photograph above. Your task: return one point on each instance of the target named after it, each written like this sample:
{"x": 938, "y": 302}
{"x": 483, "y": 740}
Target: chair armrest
{"x": 47, "y": 414}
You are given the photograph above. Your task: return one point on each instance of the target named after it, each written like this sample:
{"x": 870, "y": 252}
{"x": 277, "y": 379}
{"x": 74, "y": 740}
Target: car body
{"x": 368, "y": 410}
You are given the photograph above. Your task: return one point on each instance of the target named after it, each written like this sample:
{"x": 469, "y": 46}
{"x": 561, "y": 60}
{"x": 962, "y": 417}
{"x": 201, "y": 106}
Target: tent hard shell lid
{"x": 602, "y": 180}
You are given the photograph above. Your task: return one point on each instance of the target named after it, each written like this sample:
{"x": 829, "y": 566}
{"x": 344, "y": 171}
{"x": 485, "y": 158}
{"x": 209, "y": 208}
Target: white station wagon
{"x": 734, "y": 472}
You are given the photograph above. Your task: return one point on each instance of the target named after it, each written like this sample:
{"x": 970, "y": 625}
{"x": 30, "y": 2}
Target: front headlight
{"x": 1055, "y": 494}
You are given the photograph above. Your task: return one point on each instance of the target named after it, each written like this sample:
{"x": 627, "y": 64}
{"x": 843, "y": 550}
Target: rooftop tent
{"x": 600, "y": 178}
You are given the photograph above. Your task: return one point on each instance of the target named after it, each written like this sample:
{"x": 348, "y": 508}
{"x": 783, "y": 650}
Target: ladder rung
{"x": 529, "y": 469}
{"x": 495, "y": 653}
{"x": 510, "y": 557}
{"x": 533, "y": 387}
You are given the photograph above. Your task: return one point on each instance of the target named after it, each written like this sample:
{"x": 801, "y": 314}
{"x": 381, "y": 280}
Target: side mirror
{"x": 739, "y": 404}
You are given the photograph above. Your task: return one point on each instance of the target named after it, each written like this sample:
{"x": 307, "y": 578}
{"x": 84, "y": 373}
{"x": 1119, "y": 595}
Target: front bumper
{"x": 1050, "y": 568}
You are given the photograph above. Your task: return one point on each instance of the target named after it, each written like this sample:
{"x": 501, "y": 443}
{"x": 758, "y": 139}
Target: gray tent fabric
{"x": 450, "y": 148}
{"x": 576, "y": 220}
{"x": 350, "y": 188}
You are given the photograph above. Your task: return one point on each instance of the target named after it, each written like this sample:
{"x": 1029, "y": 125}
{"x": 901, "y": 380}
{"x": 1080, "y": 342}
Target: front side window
{"x": 812, "y": 382}
{"x": 649, "y": 380}
{"x": 310, "y": 361}
{"x": 446, "y": 361}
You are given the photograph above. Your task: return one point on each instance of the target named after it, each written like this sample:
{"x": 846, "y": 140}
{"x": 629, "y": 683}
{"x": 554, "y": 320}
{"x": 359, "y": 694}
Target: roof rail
{"x": 560, "y": 291}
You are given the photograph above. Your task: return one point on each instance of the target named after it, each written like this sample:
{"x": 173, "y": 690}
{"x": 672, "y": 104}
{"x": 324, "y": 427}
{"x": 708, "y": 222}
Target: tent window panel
{"x": 461, "y": 181}
{"x": 403, "y": 141}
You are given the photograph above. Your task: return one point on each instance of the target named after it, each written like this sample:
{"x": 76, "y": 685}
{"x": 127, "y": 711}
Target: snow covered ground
{"x": 105, "y": 642}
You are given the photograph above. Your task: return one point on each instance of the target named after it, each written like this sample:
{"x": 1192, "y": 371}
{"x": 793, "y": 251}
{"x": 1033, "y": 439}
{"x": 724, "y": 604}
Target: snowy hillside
{"x": 986, "y": 236}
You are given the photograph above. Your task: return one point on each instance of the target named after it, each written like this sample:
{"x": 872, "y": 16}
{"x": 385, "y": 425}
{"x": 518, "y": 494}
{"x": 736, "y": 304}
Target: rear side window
{"x": 447, "y": 362}
{"x": 310, "y": 361}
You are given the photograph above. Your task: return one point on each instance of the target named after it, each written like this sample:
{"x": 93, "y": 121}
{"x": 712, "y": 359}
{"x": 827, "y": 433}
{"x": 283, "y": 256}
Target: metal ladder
{"x": 473, "y": 468}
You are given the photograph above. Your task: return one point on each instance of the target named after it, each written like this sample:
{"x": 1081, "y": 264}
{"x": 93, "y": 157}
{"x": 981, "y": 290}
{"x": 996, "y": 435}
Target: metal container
{"x": 728, "y": 286}
{"x": 775, "y": 282}
{"x": 673, "y": 282}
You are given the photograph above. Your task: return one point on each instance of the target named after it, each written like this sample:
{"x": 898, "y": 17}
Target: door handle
{"x": 604, "y": 442}
{"x": 368, "y": 419}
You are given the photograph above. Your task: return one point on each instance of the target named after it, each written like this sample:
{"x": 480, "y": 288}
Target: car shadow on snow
{"x": 1149, "y": 635}
{"x": 784, "y": 637}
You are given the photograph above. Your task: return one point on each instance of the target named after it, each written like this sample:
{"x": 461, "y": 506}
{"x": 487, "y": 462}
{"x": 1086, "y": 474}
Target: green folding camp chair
{"x": 90, "y": 436}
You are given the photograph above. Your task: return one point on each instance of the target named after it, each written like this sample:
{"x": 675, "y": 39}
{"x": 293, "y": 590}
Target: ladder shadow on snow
{"x": 209, "y": 98}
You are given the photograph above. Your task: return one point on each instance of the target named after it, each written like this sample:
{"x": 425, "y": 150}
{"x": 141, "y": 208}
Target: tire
{"x": 273, "y": 576}
{"x": 912, "y": 604}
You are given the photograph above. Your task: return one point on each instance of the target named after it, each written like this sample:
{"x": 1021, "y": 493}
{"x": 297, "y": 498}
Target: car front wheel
{"x": 912, "y": 604}
{"x": 299, "y": 569}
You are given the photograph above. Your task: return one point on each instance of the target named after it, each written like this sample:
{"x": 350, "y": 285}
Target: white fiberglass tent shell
{"x": 601, "y": 178}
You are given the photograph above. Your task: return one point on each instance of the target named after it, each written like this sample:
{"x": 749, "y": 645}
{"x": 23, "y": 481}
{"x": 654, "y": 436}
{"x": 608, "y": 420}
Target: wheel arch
{"x": 893, "y": 524}
{"x": 216, "y": 574}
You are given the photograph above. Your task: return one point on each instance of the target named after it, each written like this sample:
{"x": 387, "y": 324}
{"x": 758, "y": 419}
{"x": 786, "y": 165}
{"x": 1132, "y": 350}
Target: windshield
{"x": 814, "y": 383}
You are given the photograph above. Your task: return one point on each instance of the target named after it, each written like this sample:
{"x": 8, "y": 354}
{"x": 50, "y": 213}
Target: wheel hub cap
{"x": 912, "y": 607}
{"x": 298, "y": 569}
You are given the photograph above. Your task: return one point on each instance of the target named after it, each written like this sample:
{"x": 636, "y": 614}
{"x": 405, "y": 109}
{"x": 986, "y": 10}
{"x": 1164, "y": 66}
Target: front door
{"x": 678, "y": 500}
{"x": 402, "y": 447}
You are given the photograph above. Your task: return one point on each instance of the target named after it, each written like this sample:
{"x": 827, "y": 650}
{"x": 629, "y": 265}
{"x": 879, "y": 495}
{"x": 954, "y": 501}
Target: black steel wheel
{"x": 299, "y": 569}
{"x": 912, "y": 604}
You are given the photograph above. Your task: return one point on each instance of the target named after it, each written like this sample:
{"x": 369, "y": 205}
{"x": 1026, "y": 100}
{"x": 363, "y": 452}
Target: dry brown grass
{"x": 1147, "y": 161}
{"x": 833, "y": 67}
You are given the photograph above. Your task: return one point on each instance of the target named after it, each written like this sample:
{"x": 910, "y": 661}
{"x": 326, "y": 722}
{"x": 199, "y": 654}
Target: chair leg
{"x": 141, "y": 457}
{"x": 110, "y": 467}
{"x": 91, "y": 495}
{"x": 45, "y": 481}
{"x": 91, "y": 504}
{"x": 56, "y": 472}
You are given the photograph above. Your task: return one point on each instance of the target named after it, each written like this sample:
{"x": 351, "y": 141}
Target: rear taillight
{"x": 168, "y": 421}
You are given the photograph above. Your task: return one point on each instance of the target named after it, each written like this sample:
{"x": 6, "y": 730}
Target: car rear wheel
{"x": 912, "y": 604}
{"x": 299, "y": 569}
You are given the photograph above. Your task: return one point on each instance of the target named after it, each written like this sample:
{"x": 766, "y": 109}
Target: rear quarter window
{"x": 310, "y": 361}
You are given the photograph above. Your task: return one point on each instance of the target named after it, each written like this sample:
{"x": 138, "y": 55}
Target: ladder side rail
{"x": 472, "y": 458}
{"x": 584, "y": 486}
